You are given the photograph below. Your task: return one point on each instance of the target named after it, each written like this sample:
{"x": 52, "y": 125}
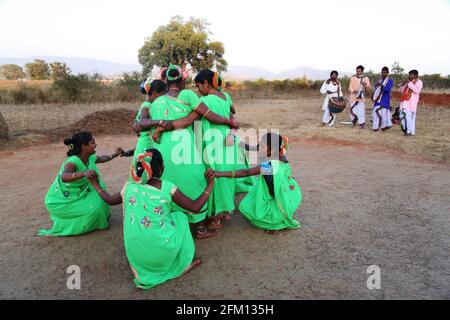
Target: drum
{"x": 337, "y": 105}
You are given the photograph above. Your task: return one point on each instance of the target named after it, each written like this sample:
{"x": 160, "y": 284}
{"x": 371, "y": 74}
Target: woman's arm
{"x": 112, "y": 200}
{"x": 255, "y": 171}
{"x": 103, "y": 159}
{"x": 204, "y": 111}
{"x": 69, "y": 174}
{"x": 248, "y": 147}
{"x": 195, "y": 205}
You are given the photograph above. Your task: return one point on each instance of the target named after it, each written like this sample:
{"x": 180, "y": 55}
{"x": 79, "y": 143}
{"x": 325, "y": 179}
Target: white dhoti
{"x": 328, "y": 117}
{"x": 388, "y": 117}
{"x": 408, "y": 121}
{"x": 381, "y": 118}
{"x": 358, "y": 113}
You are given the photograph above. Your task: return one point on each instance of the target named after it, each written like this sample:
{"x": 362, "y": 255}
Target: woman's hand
{"x": 210, "y": 174}
{"x": 118, "y": 152}
{"x": 166, "y": 125}
{"x": 234, "y": 124}
{"x": 89, "y": 174}
{"x": 156, "y": 135}
{"x": 137, "y": 127}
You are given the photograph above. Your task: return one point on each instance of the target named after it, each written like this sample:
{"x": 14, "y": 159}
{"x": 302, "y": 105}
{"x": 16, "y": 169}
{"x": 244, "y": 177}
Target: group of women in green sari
{"x": 187, "y": 167}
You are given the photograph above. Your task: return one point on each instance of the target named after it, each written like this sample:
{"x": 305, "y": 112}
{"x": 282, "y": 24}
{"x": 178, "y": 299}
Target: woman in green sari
{"x": 74, "y": 206}
{"x": 220, "y": 155}
{"x": 272, "y": 202}
{"x": 246, "y": 183}
{"x": 143, "y": 123}
{"x": 158, "y": 242}
{"x": 178, "y": 109}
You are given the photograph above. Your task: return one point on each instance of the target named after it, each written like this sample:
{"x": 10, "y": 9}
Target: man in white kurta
{"x": 358, "y": 86}
{"x": 331, "y": 89}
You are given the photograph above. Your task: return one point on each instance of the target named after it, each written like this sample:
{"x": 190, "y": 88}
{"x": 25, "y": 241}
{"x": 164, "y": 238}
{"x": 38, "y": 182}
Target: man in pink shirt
{"x": 357, "y": 88}
{"x": 408, "y": 102}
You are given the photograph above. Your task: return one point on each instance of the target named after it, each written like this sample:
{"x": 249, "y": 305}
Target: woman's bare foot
{"x": 215, "y": 223}
{"x": 227, "y": 217}
{"x": 203, "y": 233}
{"x": 196, "y": 262}
{"x": 270, "y": 231}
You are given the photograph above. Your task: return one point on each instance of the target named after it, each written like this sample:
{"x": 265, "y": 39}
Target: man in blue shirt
{"x": 382, "y": 97}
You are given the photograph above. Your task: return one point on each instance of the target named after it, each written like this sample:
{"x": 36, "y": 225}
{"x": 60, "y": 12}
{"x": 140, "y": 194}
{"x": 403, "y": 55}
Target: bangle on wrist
{"x": 73, "y": 175}
{"x": 206, "y": 192}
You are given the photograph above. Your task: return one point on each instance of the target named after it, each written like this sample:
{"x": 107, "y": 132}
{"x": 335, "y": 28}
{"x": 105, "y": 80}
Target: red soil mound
{"x": 433, "y": 99}
{"x": 99, "y": 123}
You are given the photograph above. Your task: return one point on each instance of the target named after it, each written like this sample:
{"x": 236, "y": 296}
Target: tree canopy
{"x": 11, "y": 72}
{"x": 182, "y": 42}
{"x": 59, "y": 70}
{"x": 37, "y": 70}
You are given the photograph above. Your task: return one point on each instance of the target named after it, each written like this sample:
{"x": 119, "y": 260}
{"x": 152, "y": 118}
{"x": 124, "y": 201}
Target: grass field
{"x": 298, "y": 117}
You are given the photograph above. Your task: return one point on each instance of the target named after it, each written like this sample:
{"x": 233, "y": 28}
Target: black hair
{"x": 360, "y": 67}
{"x": 142, "y": 88}
{"x": 385, "y": 69}
{"x": 78, "y": 139}
{"x": 272, "y": 136}
{"x": 334, "y": 71}
{"x": 173, "y": 73}
{"x": 163, "y": 73}
{"x": 206, "y": 75}
{"x": 156, "y": 164}
{"x": 414, "y": 72}
{"x": 157, "y": 86}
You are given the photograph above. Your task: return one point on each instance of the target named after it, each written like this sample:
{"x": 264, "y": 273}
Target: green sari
{"x": 75, "y": 207}
{"x": 246, "y": 183}
{"x": 158, "y": 242}
{"x": 145, "y": 140}
{"x": 183, "y": 163}
{"x": 273, "y": 212}
{"x": 220, "y": 157}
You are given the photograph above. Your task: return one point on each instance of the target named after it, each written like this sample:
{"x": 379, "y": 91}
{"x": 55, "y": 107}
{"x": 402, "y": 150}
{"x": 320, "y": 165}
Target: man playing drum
{"x": 331, "y": 89}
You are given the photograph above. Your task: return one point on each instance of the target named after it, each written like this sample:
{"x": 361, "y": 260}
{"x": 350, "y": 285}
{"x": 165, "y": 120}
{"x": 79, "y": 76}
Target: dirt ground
{"x": 368, "y": 199}
{"x": 362, "y": 206}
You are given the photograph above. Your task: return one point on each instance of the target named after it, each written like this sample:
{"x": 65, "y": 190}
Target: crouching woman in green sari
{"x": 74, "y": 206}
{"x": 272, "y": 202}
{"x": 158, "y": 241}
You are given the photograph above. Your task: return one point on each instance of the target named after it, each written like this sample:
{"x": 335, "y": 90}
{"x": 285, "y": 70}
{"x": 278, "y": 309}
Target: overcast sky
{"x": 274, "y": 35}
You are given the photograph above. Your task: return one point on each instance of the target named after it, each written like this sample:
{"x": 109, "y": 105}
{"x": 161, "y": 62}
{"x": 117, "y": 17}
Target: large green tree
{"x": 182, "y": 42}
{"x": 37, "y": 70}
{"x": 11, "y": 72}
{"x": 58, "y": 70}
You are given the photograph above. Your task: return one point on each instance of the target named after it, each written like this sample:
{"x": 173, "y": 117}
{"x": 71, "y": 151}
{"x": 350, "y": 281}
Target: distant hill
{"x": 111, "y": 69}
{"x": 251, "y": 73}
{"x": 81, "y": 65}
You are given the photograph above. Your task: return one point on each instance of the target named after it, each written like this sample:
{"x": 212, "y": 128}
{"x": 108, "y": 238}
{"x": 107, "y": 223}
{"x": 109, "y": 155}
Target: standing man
{"x": 359, "y": 83}
{"x": 331, "y": 89}
{"x": 411, "y": 89}
{"x": 382, "y": 98}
